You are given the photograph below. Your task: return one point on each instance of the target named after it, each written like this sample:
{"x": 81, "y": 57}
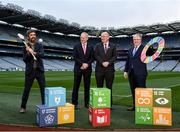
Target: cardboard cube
{"x": 144, "y": 97}
{"x": 55, "y": 96}
{"x": 46, "y": 116}
{"x": 144, "y": 115}
{"x": 66, "y": 114}
{"x": 162, "y": 97}
{"x": 99, "y": 116}
{"x": 162, "y": 116}
{"x": 100, "y": 97}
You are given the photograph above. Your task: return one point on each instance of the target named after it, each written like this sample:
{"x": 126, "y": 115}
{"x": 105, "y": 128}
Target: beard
{"x": 32, "y": 40}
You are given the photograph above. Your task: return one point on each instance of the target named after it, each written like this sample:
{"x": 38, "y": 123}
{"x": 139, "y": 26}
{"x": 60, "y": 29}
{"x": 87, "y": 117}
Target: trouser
{"x": 29, "y": 79}
{"x": 108, "y": 76}
{"x": 136, "y": 81}
{"x": 77, "y": 80}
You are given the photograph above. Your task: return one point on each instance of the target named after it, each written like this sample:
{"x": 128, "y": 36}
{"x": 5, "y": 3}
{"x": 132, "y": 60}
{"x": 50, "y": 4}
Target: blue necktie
{"x": 134, "y": 50}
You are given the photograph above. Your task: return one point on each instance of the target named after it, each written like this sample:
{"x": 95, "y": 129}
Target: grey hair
{"x": 137, "y": 34}
{"x": 85, "y": 34}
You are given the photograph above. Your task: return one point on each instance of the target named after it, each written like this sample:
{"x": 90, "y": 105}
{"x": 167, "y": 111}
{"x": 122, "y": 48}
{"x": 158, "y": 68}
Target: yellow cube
{"x": 66, "y": 114}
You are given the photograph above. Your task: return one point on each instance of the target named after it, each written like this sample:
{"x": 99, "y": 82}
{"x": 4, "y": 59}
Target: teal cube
{"x": 55, "y": 96}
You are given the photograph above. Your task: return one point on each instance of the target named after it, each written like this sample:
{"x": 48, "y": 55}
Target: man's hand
{"x": 125, "y": 75}
{"x": 84, "y": 66}
{"x": 105, "y": 64}
{"x": 29, "y": 50}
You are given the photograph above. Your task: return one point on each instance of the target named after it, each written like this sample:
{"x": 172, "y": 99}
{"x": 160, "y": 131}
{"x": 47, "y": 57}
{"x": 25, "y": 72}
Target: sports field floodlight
{"x": 14, "y": 7}
{"x": 34, "y": 13}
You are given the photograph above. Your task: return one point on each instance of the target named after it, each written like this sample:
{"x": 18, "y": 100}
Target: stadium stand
{"x": 60, "y": 36}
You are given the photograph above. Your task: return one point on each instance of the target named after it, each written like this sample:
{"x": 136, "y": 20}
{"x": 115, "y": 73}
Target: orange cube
{"x": 66, "y": 114}
{"x": 144, "y": 97}
{"x": 162, "y": 116}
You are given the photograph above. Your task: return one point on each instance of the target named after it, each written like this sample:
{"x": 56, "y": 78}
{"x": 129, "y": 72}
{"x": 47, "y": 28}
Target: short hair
{"x": 30, "y": 31}
{"x": 85, "y": 34}
{"x": 137, "y": 34}
{"x": 106, "y": 33}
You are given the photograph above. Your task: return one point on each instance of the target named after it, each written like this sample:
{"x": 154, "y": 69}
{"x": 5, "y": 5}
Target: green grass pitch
{"x": 12, "y": 83}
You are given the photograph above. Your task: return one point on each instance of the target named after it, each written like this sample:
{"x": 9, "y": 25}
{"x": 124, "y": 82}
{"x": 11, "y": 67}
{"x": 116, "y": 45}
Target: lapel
{"x": 82, "y": 51}
{"x": 137, "y": 52}
{"x": 102, "y": 48}
{"x": 131, "y": 52}
{"x": 36, "y": 47}
{"x": 109, "y": 47}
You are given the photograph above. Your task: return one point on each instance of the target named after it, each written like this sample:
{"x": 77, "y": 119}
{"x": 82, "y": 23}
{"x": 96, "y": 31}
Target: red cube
{"x": 99, "y": 116}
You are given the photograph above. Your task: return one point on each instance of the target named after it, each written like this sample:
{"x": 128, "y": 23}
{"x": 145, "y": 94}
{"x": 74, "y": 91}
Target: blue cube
{"x": 55, "y": 96}
{"x": 46, "y": 116}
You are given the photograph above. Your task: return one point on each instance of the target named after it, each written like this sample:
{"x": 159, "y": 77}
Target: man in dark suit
{"x": 105, "y": 55}
{"x": 34, "y": 68}
{"x": 135, "y": 70}
{"x": 83, "y": 56}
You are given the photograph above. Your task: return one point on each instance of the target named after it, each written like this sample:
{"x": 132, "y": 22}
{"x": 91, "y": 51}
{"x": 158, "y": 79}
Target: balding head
{"x": 105, "y": 37}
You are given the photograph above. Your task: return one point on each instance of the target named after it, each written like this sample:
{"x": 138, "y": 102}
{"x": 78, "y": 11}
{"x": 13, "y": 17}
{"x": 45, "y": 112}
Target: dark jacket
{"x": 81, "y": 58}
{"x": 101, "y": 57}
{"x": 139, "y": 67}
{"x": 28, "y": 58}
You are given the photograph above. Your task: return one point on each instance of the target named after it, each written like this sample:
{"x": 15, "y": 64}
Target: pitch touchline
{"x": 174, "y": 85}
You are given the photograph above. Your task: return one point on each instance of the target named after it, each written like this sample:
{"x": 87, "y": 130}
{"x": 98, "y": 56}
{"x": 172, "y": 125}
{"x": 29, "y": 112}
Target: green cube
{"x": 161, "y": 97}
{"x": 100, "y": 97}
{"x": 144, "y": 115}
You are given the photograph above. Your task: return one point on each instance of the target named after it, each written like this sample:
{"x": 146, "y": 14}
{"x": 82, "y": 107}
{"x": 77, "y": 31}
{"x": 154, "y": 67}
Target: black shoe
{"x": 131, "y": 109}
{"x": 86, "y": 106}
{"x": 112, "y": 108}
{"x": 77, "y": 107}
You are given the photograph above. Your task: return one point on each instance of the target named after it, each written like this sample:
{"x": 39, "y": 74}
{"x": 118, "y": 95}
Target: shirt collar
{"x": 107, "y": 44}
{"x": 85, "y": 44}
{"x": 137, "y": 47}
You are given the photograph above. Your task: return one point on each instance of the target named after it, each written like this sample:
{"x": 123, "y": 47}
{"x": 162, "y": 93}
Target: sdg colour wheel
{"x": 148, "y": 59}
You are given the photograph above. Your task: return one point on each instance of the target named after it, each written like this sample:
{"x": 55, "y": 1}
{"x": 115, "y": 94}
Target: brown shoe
{"x": 22, "y": 110}
{"x": 131, "y": 109}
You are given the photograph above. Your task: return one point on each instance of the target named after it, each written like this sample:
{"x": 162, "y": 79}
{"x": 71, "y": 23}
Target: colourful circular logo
{"x": 148, "y": 59}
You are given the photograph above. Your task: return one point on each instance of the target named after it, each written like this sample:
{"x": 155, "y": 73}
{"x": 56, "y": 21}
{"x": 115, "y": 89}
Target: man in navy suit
{"x": 34, "y": 68}
{"x": 83, "y": 56}
{"x": 105, "y": 55}
{"x": 135, "y": 70}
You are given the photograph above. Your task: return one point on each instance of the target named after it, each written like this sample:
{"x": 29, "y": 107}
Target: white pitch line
{"x": 170, "y": 86}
